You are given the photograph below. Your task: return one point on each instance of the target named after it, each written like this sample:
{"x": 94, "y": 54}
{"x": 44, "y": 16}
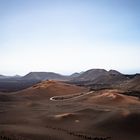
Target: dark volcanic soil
{"x": 100, "y": 115}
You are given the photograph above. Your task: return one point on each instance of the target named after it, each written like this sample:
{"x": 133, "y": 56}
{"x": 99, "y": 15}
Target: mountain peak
{"x": 44, "y": 76}
{"x": 114, "y": 72}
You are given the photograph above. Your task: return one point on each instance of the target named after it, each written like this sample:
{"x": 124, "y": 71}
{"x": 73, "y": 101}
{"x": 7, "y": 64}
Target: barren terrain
{"x": 75, "y": 113}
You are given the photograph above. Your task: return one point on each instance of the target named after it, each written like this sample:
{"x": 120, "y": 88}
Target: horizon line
{"x": 68, "y": 73}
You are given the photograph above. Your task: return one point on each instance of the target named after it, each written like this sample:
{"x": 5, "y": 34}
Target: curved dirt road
{"x": 69, "y": 97}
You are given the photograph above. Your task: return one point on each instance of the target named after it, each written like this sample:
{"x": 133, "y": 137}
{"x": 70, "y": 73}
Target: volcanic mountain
{"x": 99, "y": 79}
{"x": 49, "y": 88}
{"x": 133, "y": 83}
{"x": 44, "y": 76}
{"x": 94, "y": 74}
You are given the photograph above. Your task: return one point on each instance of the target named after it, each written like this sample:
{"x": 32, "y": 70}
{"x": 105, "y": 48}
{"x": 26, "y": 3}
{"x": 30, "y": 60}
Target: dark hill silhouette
{"x": 93, "y": 74}
{"x": 90, "y": 75}
{"x": 3, "y": 76}
{"x": 98, "y": 79}
{"x": 45, "y": 76}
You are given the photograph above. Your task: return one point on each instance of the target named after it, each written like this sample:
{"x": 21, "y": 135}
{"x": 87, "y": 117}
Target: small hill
{"x": 76, "y": 74}
{"x": 113, "y": 98}
{"x": 49, "y": 88}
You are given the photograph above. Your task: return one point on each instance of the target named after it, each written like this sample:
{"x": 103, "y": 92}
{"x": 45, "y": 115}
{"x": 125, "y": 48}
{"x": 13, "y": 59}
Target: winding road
{"x": 69, "y": 97}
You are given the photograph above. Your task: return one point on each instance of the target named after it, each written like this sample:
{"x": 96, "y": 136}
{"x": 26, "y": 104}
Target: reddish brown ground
{"x": 30, "y": 115}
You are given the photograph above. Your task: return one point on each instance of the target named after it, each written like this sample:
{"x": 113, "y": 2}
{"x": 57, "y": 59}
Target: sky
{"x": 67, "y": 36}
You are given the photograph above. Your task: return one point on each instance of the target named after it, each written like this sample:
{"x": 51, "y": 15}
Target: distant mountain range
{"x": 102, "y": 79}
{"x": 5, "y": 77}
{"x": 89, "y": 75}
{"x": 93, "y": 78}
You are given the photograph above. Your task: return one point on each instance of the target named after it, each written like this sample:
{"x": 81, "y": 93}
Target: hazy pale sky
{"x": 65, "y": 36}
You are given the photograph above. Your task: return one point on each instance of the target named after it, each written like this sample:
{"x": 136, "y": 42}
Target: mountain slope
{"x": 90, "y": 75}
{"x": 113, "y": 98}
{"x": 45, "y": 76}
{"x": 99, "y": 78}
{"x": 49, "y": 88}
{"x": 95, "y": 74}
